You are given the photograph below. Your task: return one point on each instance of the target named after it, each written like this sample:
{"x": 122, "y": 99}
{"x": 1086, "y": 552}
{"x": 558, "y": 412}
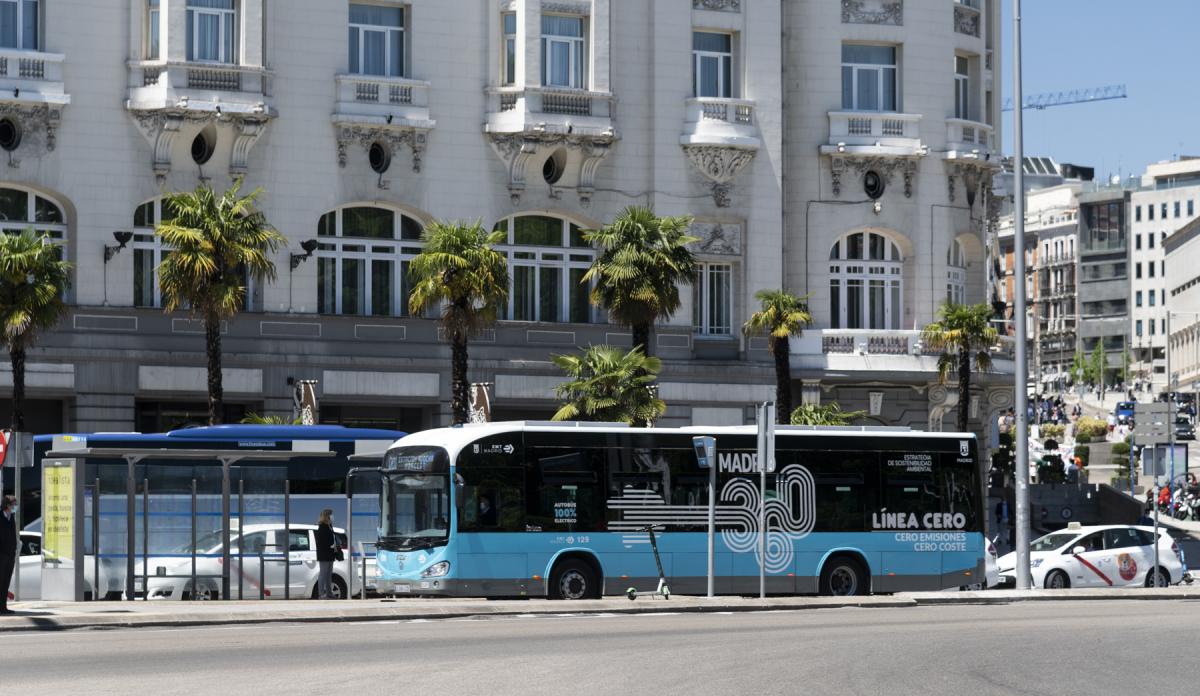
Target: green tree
{"x": 963, "y": 335}
{"x": 1080, "y": 368}
{"x": 1125, "y": 363}
{"x": 824, "y": 414}
{"x": 216, "y": 243}
{"x": 32, "y": 282}
{"x": 643, "y": 260}
{"x": 609, "y": 384}
{"x": 782, "y": 316}
{"x": 460, "y": 269}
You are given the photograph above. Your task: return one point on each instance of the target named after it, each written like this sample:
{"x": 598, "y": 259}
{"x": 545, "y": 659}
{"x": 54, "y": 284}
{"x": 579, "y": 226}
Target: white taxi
{"x": 1098, "y": 556}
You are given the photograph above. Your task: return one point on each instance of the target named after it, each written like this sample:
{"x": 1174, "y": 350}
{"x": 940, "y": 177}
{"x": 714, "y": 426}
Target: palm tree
{"x": 824, "y": 414}
{"x": 642, "y": 262}
{"x": 962, "y": 333}
{"x": 782, "y": 315}
{"x": 609, "y": 384}
{"x": 215, "y": 244}
{"x": 460, "y": 269}
{"x": 253, "y": 418}
{"x": 32, "y": 282}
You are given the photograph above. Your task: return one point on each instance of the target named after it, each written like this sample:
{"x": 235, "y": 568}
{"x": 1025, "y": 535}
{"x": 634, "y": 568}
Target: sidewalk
{"x": 71, "y": 615}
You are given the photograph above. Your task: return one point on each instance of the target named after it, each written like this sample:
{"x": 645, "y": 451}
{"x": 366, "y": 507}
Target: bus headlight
{"x": 436, "y": 570}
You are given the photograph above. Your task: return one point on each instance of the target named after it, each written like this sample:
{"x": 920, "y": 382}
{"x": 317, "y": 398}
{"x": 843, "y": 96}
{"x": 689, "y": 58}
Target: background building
{"x": 843, "y": 150}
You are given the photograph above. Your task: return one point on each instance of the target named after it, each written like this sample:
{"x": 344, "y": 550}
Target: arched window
{"x": 21, "y": 209}
{"x": 363, "y": 254}
{"x": 865, "y": 286}
{"x": 956, "y": 274}
{"x": 547, "y": 257}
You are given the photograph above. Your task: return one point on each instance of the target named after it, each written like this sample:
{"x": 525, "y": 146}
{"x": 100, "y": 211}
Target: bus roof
{"x": 241, "y": 432}
{"x": 460, "y": 434}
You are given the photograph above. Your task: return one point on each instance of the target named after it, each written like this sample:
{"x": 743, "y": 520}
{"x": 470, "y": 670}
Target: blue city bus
{"x": 558, "y": 509}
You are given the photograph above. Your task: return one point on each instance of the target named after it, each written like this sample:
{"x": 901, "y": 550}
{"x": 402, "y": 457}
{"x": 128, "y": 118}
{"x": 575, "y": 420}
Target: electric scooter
{"x": 662, "y": 590}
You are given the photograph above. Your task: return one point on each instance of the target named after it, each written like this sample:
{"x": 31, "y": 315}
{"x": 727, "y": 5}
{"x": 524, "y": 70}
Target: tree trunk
{"x": 459, "y": 387}
{"x": 641, "y": 337}
{"x": 964, "y": 389}
{"x": 781, "y": 350}
{"x": 17, "y": 357}
{"x": 216, "y": 393}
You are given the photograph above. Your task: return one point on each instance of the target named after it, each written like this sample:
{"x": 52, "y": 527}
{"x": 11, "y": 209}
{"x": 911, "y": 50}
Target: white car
{"x": 30, "y": 572}
{"x": 991, "y": 568}
{"x": 170, "y": 577}
{"x": 1098, "y": 556}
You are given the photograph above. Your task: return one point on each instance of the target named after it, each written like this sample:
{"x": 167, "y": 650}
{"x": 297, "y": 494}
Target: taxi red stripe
{"x": 1095, "y": 570}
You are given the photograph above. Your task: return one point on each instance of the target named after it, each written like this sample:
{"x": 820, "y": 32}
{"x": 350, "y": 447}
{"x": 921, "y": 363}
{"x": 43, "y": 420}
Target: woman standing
{"x": 326, "y": 554}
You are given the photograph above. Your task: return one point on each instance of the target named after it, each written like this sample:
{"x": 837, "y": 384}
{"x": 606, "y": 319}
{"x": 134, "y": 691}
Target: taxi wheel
{"x": 1160, "y": 579}
{"x": 1057, "y": 580}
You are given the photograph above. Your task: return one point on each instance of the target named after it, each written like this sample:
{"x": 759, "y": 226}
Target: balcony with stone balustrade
{"x": 371, "y": 99}
{"x": 720, "y": 122}
{"x": 549, "y": 110}
{"x": 223, "y": 88}
{"x": 32, "y": 77}
{"x": 877, "y": 351}
{"x": 871, "y": 133}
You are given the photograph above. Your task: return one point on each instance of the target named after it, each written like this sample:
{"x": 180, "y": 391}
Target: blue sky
{"x": 1073, "y": 44}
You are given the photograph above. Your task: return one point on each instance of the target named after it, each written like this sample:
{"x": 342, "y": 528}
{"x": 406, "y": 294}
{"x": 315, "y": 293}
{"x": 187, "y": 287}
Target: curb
{"x": 411, "y": 610}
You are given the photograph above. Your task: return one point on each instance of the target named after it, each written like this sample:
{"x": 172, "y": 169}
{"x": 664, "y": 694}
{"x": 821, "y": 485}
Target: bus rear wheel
{"x": 574, "y": 579}
{"x": 843, "y": 576}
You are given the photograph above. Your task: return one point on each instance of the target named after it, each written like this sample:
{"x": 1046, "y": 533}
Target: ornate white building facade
{"x": 842, "y": 149}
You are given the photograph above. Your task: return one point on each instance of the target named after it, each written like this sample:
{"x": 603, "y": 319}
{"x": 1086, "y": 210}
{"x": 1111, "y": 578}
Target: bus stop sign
{"x": 706, "y": 451}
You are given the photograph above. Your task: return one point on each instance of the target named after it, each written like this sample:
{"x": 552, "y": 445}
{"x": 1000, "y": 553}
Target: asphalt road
{"x": 1060, "y": 648}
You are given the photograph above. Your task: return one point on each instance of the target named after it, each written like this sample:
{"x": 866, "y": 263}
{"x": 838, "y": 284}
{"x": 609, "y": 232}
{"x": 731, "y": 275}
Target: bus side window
{"x": 562, "y": 489}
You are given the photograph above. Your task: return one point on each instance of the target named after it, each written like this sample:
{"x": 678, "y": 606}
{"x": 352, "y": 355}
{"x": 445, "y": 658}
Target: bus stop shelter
{"x": 67, "y": 473}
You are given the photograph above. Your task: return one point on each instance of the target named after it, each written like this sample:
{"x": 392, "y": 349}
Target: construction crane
{"x": 1075, "y": 96}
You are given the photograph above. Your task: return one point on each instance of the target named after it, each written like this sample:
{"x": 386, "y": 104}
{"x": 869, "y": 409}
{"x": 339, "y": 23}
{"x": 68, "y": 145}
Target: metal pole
{"x": 96, "y": 541}
{"x": 241, "y": 538}
{"x": 1156, "y": 490}
{"x": 130, "y": 528}
{"x": 1024, "y": 581}
{"x": 145, "y": 539}
{"x": 287, "y": 539}
{"x": 762, "y": 501}
{"x": 226, "y": 531}
{"x": 17, "y": 517}
{"x": 712, "y": 526}
{"x": 349, "y": 533}
{"x": 1170, "y": 420}
{"x": 193, "y": 539}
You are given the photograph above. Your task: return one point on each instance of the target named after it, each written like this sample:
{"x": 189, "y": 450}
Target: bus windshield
{"x": 415, "y": 501}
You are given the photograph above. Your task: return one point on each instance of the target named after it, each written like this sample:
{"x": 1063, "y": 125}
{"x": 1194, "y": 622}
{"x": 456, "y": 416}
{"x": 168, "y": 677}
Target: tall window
{"x": 712, "y": 313}
{"x": 956, "y": 274}
{"x": 865, "y": 287}
{"x": 19, "y": 24}
{"x": 962, "y": 87}
{"x": 212, "y": 31}
{"x": 153, "y": 13}
{"x": 868, "y": 77}
{"x": 147, "y": 254}
{"x": 562, "y": 51}
{"x": 508, "y": 60}
{"x": 547, "y": 258}
{"x": 362, "y": 261}
{"x": 377, "y": 40}
{"x": 712, "y": 64}
{"x": 21, "y": 210}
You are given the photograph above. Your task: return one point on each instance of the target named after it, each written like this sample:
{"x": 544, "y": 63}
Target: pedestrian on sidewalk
{"x": 326, "y": 554}
{"x": 8, "y": 548}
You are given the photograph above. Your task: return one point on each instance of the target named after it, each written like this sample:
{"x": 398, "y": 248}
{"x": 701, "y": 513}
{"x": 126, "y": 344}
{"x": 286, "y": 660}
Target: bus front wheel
{"x": 574, "y": 579}
{"x": 843, "y": 576}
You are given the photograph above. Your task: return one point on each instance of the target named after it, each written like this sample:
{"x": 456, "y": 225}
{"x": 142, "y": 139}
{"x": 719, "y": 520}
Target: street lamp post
{"x": 1024, "y": 580}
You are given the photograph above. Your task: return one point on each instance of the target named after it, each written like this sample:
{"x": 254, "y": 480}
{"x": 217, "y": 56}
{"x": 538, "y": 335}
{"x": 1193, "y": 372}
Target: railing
{"x": 865, "y": 128}
{"x": 31, "y": 65}
{"x": 383, "y": 91}
{"x": 1055, "y": 259}
{"x": 573, "y": 103}
{"x": 223, "y": 79}
{"x": 883, "y": 342}
{"x": 964, "y": 132}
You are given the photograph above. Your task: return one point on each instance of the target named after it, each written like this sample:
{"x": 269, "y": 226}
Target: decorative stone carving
{"x": 966, "y": 20}
{"x": 160, "y": 126}
{"x": 720, "y": 238}
{"x": 866, "y": 12}
{"x": 570, "y": 8}
{"x": 516, "y": 149}
{"x": 38, "y": 124}
{"x": 975, "y": 175}
{"x": 720, "y": 165}
{"x": 392, "y": 138}
{"x": 719, "y": 5}
{"x": 884, "y": 166}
